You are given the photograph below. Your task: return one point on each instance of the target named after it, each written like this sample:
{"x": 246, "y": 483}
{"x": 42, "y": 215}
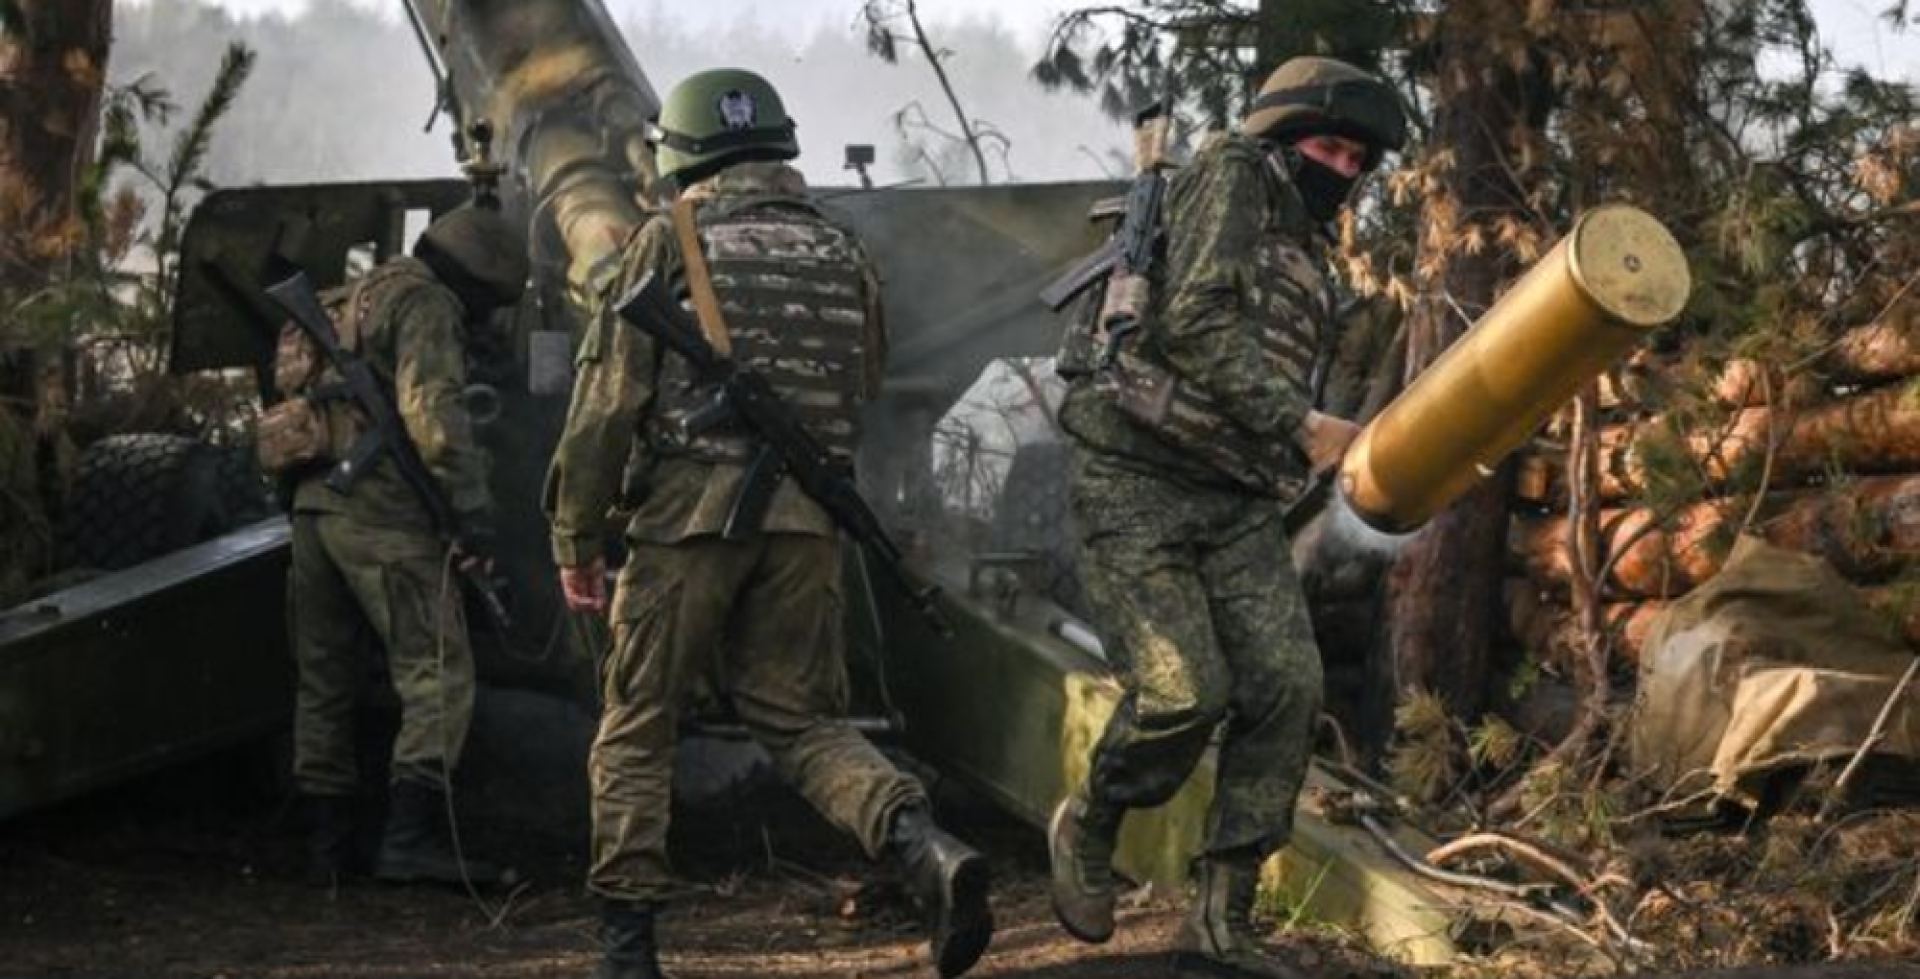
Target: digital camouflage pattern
{"x": 1196, "y": 598}
{"x": 368, "y": 563}
{"x": 1235, "y": 336}
{"x": 758, "y": 622}
{"x": 1188, "y": 571}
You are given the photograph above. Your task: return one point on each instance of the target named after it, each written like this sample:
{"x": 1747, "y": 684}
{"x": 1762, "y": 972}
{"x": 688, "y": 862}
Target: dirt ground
{"x": 196, "y": 874}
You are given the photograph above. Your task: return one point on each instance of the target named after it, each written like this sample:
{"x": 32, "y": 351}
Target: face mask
{"x": 1324, "y": 191}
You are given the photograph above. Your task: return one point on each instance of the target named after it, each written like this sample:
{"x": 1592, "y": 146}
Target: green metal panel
{"x": 143, "y": 668}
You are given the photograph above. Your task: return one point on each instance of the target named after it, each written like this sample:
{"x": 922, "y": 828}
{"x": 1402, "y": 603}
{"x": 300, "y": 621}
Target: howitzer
{"x": 386, "y": 436}
{"x": 786, "y": 448}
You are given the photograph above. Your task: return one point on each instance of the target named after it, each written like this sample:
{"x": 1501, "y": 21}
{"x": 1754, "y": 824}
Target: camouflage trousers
{"x": 1196, "y": 598}
{"x": 351, "y": 582}
{"x": 759, "y": 622}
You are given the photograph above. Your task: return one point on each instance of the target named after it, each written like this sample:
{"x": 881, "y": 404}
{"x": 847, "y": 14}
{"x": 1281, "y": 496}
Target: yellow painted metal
{"x": 1617, "y": 275}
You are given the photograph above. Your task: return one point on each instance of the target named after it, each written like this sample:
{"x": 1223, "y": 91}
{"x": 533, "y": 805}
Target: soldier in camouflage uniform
{"x": 368, "y": 562}
{"x": 759, "y": 619}
{"x": 1179, "y": 501}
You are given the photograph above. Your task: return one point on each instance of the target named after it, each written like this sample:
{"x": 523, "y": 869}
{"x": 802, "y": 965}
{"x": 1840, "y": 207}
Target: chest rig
{"x": 791, "y": 292}
{"x": 1288, "y": 294}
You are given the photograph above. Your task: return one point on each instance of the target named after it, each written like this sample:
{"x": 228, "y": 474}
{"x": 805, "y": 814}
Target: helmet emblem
{"x": 737, "y": 110}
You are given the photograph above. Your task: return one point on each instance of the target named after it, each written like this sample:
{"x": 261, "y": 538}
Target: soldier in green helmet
{"x": 367, "y": 560}
{"x": 1179, "y": 501}
{"x": 759, "y": 619}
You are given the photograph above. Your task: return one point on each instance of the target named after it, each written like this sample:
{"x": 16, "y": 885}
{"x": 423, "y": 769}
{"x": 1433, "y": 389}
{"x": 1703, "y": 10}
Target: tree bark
{"x": 1874, "y": 432}
{"x": 1868, "y": 530}
{"x": 1553, "y": 632}
{"x": 51, "y": 79}
{"x": 1445, "y": 586}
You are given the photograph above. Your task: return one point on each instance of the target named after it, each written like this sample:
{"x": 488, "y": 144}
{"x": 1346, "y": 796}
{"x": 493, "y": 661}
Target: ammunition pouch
{"x": 1190, "y": 422}
{"x": 1083, "y": 341}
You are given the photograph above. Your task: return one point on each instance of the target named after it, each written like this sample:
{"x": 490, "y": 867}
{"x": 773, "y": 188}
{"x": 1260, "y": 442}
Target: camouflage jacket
{"x": 413, "y": 331}
{"x": 604, "y": 470}
{"x": 1241, "y": 312}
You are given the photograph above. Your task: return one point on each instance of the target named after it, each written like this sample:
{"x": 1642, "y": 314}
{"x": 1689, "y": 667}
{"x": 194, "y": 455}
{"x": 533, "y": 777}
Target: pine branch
{"x": 190, "y": 149}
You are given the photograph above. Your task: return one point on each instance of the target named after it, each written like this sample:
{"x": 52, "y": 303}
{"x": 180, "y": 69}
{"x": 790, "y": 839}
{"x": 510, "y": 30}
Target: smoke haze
{"x": 341, "y": 91}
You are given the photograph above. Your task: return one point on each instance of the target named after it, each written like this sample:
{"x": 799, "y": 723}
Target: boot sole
{"x": 1087, "y": 935}
{"x": 969, "y": 925}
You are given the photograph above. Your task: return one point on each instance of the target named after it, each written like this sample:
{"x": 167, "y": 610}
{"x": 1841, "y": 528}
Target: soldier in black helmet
{"x": 795, "y": 297}
{"x": 368, "y": 560}
{"x": 1180, "y": 497}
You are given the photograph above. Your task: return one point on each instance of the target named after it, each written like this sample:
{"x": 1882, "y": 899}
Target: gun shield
{"x": 1615, "y": 277}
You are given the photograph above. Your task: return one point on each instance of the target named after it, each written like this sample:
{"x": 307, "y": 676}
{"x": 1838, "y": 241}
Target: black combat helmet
{"x": 479, "y": 254}
{"x": 1312, "y": 96}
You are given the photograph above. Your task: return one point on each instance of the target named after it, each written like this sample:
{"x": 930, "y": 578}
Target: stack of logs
{"x": 1859, "y": 420}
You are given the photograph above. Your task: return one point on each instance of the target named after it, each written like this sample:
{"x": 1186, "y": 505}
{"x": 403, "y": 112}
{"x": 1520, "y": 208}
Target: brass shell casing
{"x": 1616, "y": 276}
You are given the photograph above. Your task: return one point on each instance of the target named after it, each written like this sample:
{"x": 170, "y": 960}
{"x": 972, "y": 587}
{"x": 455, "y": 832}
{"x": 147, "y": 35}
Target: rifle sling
{"x": 706, "y": 303}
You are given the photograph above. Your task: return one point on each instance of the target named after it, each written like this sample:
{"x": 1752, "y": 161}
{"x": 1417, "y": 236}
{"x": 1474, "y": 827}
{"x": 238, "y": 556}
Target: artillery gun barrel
{"x": 1616, "y": 276}
{"x": 570, "y": 107}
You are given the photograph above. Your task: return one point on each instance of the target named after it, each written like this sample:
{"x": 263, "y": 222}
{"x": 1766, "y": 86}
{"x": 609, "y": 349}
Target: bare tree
{"x": 884, "y": 42}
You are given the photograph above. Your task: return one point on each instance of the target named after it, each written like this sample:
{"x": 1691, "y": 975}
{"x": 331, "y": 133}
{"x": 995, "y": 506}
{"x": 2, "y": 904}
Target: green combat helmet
{"x": 721, "y": 117}
{"x": 1310, "y": 96}
{"x": 478, "y": 254}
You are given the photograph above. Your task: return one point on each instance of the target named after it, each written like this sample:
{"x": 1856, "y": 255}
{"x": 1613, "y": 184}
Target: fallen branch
{"x": 1875, "y": 735}
{"x": 1524, "y": 851}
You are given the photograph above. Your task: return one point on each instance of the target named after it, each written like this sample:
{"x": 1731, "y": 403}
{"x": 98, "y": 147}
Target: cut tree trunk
{"x": 1877, "y": 431}
{"x": 1866, "y": 530}
{"x": 51, "y": 78}
{"x": 1740, "y": 384}
{"x": 1549, "y": 630}
{"x": 1885, "y": 349}
{"x": 1444, "y": 589}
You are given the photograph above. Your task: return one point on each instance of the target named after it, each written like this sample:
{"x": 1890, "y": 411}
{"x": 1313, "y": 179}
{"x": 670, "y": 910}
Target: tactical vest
{"x": 313, "y": 426}
{"x": 1290, "y": 296}
{"x": 792, "y": 294}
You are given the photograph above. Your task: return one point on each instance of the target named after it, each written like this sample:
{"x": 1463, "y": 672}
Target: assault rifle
{"x": 386, "y": 435}
{"x": 1126, "y": 259}
{"x": 785, "y": 448}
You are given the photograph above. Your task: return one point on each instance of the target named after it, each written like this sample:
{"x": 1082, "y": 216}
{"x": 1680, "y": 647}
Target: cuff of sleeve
{"x": 1287, "y": 420}
{"x": 572, "y": 552}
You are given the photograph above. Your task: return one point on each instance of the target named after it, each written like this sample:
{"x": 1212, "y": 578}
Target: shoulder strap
{"x": 706, "y": 303}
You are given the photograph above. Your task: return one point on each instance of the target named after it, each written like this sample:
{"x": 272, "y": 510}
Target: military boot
{"x": 626, "y": 936}
{"x": 329, "y": 826}
{"x": 417, "y": 844}
{"x": 1218, "y": 938}
{"x": 948, "y": 880}
{"x": 1080, "y": 842}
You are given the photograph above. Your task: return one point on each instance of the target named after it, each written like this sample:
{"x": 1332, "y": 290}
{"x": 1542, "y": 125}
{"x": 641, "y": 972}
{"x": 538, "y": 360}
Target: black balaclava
{"x": 1324, "y": 190}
